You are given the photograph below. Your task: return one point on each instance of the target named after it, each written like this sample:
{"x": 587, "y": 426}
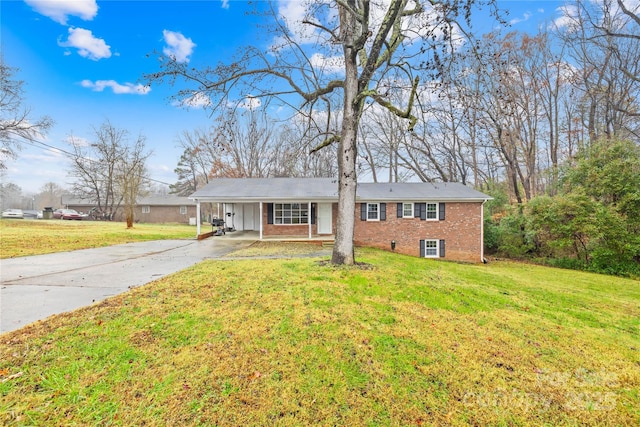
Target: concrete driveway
{"x": 35, "y": 287}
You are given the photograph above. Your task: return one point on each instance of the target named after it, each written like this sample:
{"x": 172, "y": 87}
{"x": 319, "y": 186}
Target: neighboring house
{"x": 158, "y": 209}
{"x": 439, "y": 220}
{"x": 152, "y": 209}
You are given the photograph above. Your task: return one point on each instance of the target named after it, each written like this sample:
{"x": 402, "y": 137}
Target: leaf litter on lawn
{"x": 291, "y": 342}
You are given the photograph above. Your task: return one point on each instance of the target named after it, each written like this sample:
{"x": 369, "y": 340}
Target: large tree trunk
{"x": 343, "y": 252}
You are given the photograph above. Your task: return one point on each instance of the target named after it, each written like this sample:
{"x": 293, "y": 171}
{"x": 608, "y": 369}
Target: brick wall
{"x": 461, "y": 231}
{"x": 295, "y": 230}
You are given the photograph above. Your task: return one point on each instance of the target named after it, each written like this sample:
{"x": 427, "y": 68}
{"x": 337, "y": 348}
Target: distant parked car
{"x": 67, "y": 214}
{"x": 32, "y": 214}
{"x": 13, "y": 213}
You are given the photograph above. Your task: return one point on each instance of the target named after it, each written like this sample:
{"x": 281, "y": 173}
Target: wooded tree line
{"x": 505, "y": 112}
{"x": 510, "y": 109}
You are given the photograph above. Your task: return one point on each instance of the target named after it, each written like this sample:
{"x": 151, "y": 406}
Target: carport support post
{"x": 197, "y": 218}
{"x": 309, "y": 218}
{"x": 261, "y": 219}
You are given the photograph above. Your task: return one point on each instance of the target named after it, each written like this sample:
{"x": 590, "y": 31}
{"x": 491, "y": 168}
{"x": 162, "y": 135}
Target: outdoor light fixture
{"x": 393, "y": 245}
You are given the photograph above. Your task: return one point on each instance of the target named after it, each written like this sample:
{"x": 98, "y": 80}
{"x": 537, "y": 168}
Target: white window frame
{"x": 183, "y": 210}
{"x": 294, "y": 213}
{"x": 435, "y": 212}
{"x": 404, "y": 210}
{"x": 431, "y": 251}
{"x": 377, "y": 212}
{"x": 146, "y": 209}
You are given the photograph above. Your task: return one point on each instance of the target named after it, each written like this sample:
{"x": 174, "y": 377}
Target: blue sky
{"x": 82, "y": 62}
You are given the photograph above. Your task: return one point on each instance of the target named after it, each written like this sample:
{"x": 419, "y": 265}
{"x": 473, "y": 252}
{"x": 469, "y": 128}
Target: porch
{"x": 255, "y": 236}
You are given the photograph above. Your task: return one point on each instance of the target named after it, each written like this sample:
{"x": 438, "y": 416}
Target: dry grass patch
{"x": 266, "y": 249}
{"x": 407, "y": 341}
{"x": 34, "y": 237}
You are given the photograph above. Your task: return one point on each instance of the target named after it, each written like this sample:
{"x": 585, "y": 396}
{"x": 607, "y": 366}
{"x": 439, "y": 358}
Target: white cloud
{"x": 77, "y": 141}
{"x": 117, "y": 88}
{"x": 88, "y": 46}
{"x": 178, "y": 46}
{"x": 331, "y": 64}
{"x": 525, "y": 17}
{"x": 60, "y": 10}
{"x": 293, "y": 13}
{"x": 250, "y": 103}
{"x": 225, "y": 4}
{"x": 567, "y": 19}
{"x": 197, "y": 100}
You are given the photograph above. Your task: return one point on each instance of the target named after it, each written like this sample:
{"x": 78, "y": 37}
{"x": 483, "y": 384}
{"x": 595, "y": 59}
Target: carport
{"x": 248, "y": 205}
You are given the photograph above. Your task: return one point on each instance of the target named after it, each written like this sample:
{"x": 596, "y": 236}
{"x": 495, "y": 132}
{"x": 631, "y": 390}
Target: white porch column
{"x": 309, "y": 218}
{"x": 197, "y": 217}
{"x": 260, "y": 228}
{"x": 482, "y": 231}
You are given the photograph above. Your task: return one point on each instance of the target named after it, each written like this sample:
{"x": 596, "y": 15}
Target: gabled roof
{"x": 409, "y": 191}
{"x": 165, "y": 201}
{"x": 261, "y": 189}
{"x": 238, "y": 190}
{"x": 169, "y": 200}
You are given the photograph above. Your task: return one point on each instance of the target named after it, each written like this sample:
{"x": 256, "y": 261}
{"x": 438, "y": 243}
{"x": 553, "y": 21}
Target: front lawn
{"x": 33, "y": 237}
{"x": 297, "y": 342}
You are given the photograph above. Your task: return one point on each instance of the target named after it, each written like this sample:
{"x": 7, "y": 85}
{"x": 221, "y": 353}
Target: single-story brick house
{"x": 438, "y": 220}
{"x": 152, "y": 209}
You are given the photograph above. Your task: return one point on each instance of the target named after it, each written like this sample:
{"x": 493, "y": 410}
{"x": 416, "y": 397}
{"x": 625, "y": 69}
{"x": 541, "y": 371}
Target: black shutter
{"x": 421, "y": 248}
{"x": 313, "y": 213}
{"x": 423, "y": 211}
{"x": 363, "y": 211}
{"x": 442, "y": 248}
{"x": 416, "y": 210}
{"x": 399, "y": 212}
{"x": 441, "y": 213}
{"x": 269, "y": 213}
{"x": 383, "y": 211}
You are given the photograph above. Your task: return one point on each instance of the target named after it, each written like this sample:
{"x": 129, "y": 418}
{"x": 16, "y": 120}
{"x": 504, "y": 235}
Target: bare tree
{"x": 246, "y": 145}
{"x": 608, "y": 69}
{"x": 132, "y": 177}
{"x": 50, "y": 195}
{"x": 15, "y": 124}
{"x": 367, "y": 40}
{"x": 109, "y": 171}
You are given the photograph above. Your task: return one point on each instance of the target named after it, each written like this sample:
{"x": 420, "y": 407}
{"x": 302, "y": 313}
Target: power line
{"x": 53, "y": 149}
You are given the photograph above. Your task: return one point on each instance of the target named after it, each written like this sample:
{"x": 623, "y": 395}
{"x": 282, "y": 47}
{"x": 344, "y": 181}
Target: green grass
{"x": 33, "y": 237}
{"x": 296, "y": 342}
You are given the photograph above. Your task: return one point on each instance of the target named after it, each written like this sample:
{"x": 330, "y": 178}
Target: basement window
{"x": 431, "y": 249}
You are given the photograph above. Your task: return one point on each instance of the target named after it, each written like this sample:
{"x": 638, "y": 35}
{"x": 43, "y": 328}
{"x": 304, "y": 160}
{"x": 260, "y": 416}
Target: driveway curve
{"x": 35, "y": 287}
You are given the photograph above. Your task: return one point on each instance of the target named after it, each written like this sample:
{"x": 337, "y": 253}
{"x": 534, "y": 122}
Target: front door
{"x": 248, "y": 221}
{"x": 325, "y": 219}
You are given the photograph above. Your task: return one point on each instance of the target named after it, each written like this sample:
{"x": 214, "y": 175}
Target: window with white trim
{"x": 432, "y": 211}
{"x": 407, "y": 210}
{"x": 291, "y": 213}
{"x": 183, "y": 210}
{"x": 146, "y": 209}
{"x": 373, "y": 211}
{"x": 431, "y": 249}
